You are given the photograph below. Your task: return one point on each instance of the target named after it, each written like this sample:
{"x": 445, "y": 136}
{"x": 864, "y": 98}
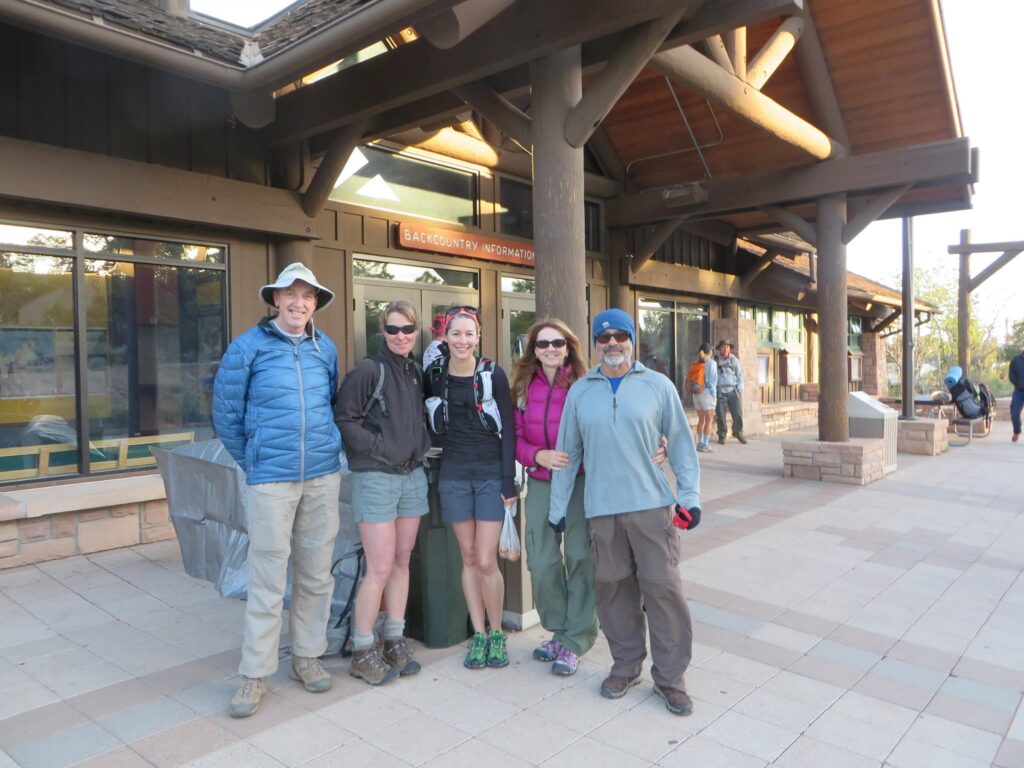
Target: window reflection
{"x": 13, "y": 234}
{"x": 116, "y": 245}
{"x": 412, "y": 273}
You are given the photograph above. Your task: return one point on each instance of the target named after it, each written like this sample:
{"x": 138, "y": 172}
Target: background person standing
{"x": 1017, "y": 400}
{"x": 273, "y": 403}
{"x": 730, "y": 391}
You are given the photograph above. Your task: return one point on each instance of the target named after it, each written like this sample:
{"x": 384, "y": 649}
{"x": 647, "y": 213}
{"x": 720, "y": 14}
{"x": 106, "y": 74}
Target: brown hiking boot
{"x": 615, "y": 687}
{"x": 311, "y": 672}
{"x": 676, "y": 702}
{"x": 247, "y": 698}
{"x": 369, "y": 665}
{"x": 399, "y": 655}
{"x": 742, "y": 439}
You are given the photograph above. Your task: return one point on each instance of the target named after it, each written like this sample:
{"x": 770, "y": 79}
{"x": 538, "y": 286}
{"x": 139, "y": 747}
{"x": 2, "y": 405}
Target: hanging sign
{"x": 420, "y": 237}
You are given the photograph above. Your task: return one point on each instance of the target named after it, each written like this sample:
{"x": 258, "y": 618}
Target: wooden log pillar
{"x": 291, "y": 250}
{"x": 963, "y": 308}
{"x": 556, "y": 83}
{"x": 833, "y": 420}
{"x": 907, "y": 379}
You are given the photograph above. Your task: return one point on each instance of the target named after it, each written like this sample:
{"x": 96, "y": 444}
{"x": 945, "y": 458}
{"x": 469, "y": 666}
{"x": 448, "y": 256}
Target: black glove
{"x": 558, "y": 527}
{"x": 687, "y": 519}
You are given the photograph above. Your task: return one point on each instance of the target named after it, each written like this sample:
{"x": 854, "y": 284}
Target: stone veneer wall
{"x": 59, "y": 521}
{"x": 858, "y": 462}
{"x": 787, "y": 417}
{"x": 875, "y": 375}
{"x": 927, "y": 437}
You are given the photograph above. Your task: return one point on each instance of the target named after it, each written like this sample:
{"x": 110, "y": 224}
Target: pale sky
{"x": 983, "y": 46}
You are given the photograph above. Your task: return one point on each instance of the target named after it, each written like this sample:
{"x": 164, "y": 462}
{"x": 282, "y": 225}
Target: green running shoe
{"x": 497, "y": 654}
{"x": 477, "y": 656}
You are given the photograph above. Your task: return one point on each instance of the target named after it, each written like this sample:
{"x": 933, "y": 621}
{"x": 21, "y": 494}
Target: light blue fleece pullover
{"x": 615, "y": 436}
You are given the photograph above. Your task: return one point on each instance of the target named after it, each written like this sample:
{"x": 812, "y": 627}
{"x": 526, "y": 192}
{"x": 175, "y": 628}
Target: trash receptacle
{"x": 436, "y": 614}
{"x": 871, "y": 418}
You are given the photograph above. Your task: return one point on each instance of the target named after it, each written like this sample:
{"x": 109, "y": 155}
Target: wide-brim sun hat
{"x": 289, "y": 275}
{"x": 724, "y": 343}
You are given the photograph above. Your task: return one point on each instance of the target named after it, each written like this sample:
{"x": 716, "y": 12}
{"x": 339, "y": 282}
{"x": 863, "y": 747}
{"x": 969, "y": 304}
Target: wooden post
{"x": 963, "y": 307}
{"x": 558, "y": 227}
{"x": 833, "y": 422}
{"x": 907, "y": 379}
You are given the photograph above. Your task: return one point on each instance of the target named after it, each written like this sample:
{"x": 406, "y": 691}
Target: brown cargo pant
{"x": 636, "y": 559}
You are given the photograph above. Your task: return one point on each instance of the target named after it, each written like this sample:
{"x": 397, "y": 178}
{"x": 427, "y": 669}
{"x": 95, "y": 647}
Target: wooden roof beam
{"x": 417, "y": 71}
{"x": 719, "y": 54}
{"x": 697, "y": 72}
{"x": 818, "y": 82}
{"x": 796, "y": 223}
{"x": 342, "y": 143}
{"x": 757, "y": 268}
{"x": 455, "y": 24}
{"x": 774, "y": 51}
{"x": 943, "y": 163}
{"x": 605, "y": 89}
{"x": 654, "y": 242}
{"x": 736, "y": 48}
{"x": 512, "y": 121}
{"x": 607, "y": 155}
{"x": 874, "y": 208}
{"x": 994, "y": 267}
{"x": 886, "y": 321}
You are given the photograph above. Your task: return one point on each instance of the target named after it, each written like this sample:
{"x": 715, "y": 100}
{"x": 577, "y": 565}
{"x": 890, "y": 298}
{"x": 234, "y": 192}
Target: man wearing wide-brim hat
{"x": 730, "y": 391}
{"x": 273, "y": 408}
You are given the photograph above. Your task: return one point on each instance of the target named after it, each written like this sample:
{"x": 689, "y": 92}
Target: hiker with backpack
{"x": 729, "y": 391}
{"x": 469, "y": 409}
{"x": 380, "y": 414}
{"x": 702, "y": 383}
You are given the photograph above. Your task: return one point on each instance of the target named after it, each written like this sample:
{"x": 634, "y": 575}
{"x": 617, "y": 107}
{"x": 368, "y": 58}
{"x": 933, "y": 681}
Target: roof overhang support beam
{"x": 450, "y": 27}
{"x": 874, "y": 208}
{"x": 774, "y": 51}
{"x": 51, "y": 175}
{"x": 607, "y": 155}
{"x": 719, "y": 53}
{"x": 736, "y": 48}
{"x": 342, "y": 143}
{"x": 796, "y": 223}
{"x": 605, "y": 89}
{"x": 510, "y": 120}
{"x": 417, "y": 71}
{"x": 944, "y": 163}
{"x": 757, "y": 269}
{"x": 685, "y": 65}
{"x": 886, "y": 321}
{"x": 654, "y": 242}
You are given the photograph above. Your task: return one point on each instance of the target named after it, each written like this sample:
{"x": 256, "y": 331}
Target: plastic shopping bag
{"x": 508, "y": 542}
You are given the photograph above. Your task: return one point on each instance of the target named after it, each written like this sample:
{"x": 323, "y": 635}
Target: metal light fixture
{"x": 693, "y": 193}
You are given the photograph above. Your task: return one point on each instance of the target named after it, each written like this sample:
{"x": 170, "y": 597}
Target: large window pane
{"x": 115, "y": 245}
{"x": 380, "y": 179}
{"x": 155, "y": 337}
{"x": 17, "y": 234}
{"x": 413, "y": 273}
{"x": 37, "y": 368}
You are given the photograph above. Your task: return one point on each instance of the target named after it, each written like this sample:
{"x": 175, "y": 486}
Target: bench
{"x": 977, "y": 427}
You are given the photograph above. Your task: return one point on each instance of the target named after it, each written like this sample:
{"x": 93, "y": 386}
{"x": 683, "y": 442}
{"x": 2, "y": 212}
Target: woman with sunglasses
{"x": 563, "y": 587}
{"x": 477, "y": 476}
{"x": 386, "y": 442}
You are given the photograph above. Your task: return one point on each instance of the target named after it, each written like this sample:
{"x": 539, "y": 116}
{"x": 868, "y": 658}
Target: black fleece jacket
{"x": 396, "y": 443}
{"x": 1017, "y": 371}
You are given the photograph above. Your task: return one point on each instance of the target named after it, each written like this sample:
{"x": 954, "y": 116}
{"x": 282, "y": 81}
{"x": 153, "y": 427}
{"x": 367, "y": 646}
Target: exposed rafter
{"x": 886, "y": 321}
{"x": 614, "y": 79}
{"x": 736, "y": 48}
{"x": 719, "y": 54}
{"x": 938, "y": 164}
{"x": 342, "y": 143}
{"x": 818, "y": 83}
{"x": 450, "y": 27}
{"x": 797, "y": 224}
{"x": 757, "y": 268}
{"x": 774, "y": 51}
{"x": 654, "y": 242}
{"x": 685, "y": 65}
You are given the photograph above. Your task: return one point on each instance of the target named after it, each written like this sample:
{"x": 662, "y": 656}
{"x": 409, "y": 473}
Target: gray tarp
{"x": 206, "y": 499}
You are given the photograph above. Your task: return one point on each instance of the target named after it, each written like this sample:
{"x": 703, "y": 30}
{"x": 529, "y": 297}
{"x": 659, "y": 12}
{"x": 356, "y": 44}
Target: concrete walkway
{"x": 835, "y": 626}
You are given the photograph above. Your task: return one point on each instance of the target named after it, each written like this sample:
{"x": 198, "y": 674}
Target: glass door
{"x": 518, "y": 313}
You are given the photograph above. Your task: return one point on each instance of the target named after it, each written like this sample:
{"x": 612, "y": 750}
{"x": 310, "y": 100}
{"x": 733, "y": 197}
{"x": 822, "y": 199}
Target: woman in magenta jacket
{"x": 563, "y": 588}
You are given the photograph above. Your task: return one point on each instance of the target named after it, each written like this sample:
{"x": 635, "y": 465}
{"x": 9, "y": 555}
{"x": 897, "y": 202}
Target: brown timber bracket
{"x": 654, "y": 242}
{"x": 886, "y": 321}
{"x": 758, "y": 268}
{"x": 1010, "y": 250}
{"x": 874, "y": 208}
{"x": 510, "y": 120}
{"x": 342, "y": 143}
{"x": 796, "y": 223}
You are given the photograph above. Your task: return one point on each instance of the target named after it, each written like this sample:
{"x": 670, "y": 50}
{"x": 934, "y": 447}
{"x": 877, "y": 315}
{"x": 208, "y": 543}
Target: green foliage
{"x": 935, "y": 349}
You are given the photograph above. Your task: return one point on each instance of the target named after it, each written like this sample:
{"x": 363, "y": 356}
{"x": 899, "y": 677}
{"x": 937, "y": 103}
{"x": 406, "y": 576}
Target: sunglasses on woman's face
{"x": 605, "y": 336}
{"x": 394, "y": 330}
{"x": 545, "y": 343}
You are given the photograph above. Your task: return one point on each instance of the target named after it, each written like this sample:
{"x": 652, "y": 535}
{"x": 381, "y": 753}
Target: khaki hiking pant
{"x": 636, "y": 559}
{"x": 298, "y": 519}
{"x": 563, "y": 585}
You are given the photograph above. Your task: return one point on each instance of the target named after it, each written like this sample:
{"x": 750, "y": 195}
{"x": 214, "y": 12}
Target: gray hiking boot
{"x": 247, "y": 698}
{"x": 368, "y": 664}
{"x": 311, "y": 672}
{"x": 399, "y": 655}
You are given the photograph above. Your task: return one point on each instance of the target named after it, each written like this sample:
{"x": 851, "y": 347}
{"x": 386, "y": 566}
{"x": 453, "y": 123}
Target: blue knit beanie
{"x": 614, "y": 320}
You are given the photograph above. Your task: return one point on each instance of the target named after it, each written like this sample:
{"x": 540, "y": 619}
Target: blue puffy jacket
{"x": 273, "y": 405}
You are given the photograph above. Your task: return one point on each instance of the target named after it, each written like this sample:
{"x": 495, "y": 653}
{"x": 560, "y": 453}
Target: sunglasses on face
{"x": 394, "y": 330}
{"x": 605, "y": 336}
{"x": 545, "y": 343}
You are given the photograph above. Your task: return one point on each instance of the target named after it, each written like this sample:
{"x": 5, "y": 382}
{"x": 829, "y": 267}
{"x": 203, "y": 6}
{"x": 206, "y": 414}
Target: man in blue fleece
{"x": 613, "y": 420}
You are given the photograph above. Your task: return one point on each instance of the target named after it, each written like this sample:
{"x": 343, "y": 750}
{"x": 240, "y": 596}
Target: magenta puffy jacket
{"x": 537, "y": 425}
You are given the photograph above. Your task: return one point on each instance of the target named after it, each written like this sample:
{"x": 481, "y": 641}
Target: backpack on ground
{"x": 695, "y": 378}
{"x": 483, "y": 393}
